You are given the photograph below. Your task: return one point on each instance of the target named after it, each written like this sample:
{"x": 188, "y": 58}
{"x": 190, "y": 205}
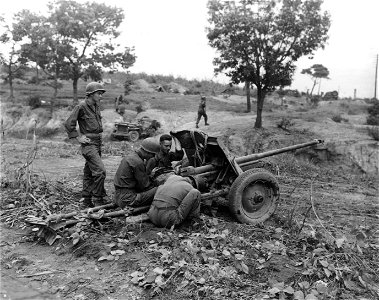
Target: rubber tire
{"x": 264, "y": 182}
{"x": 133, "y": 136}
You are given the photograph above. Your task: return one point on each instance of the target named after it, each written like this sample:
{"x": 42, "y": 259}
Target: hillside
{"x": 321, "y": 242}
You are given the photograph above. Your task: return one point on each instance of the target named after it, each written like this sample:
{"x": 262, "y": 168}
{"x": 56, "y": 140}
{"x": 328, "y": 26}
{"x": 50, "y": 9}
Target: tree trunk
{"x": 314, "y": 84}
{"x": 248, "y": 102}
{"x": 10, "y": 78}
{"x": 75, "y": 88}
{"x": 261, "y": 98}
{"x": 54, "y": 99}
{"x": 11, "y": 96}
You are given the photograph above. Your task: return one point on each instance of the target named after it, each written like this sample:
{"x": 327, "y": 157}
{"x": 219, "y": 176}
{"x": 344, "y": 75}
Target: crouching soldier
{"x": 176, "y": 200}
{"x": 132, "y": 184}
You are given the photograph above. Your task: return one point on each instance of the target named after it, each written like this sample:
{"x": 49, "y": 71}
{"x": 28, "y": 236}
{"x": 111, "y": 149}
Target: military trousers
{"x": 94, "y": 172}
{"x": 162, "y": 214}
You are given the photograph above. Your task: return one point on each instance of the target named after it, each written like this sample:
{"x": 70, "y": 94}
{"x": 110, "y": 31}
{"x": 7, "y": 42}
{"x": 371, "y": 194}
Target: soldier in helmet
{"x": 176, "y": 200}
{"x": 132, "y": 184}
{"x": 201, "y": 112}
{"x": 87, "y": 115}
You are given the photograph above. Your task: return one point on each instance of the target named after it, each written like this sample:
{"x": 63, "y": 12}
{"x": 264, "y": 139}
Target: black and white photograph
{"x": 189, "y": 149}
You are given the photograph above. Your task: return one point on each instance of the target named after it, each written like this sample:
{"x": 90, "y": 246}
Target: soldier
{"x": 165, "y": 156}
{"x": 176, "y": 200}
{"x": 202, "y": 112}
{"x": 132, "y": 184}
{"x": 87, "y": 115}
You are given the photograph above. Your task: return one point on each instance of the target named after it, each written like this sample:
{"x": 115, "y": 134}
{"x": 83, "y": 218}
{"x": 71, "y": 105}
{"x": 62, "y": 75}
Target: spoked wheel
{"x": 253, "y": 196}
{"x": 133, "y": 136}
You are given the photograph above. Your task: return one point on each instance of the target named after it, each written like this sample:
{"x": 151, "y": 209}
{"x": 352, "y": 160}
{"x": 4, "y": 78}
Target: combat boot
{"x": 86, "y": 202}
{"x": 99, "y": 201}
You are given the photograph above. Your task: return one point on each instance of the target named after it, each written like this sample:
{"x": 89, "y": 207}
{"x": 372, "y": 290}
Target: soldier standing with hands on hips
{"x": 87, "y": 115}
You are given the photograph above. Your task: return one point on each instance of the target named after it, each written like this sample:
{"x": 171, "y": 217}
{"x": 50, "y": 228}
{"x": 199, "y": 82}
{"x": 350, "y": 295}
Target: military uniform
{"x": 132, "y": 184}
{"x": 163, "y": 160}
{"x": 174, "y": 201}
{"x": 89, "y": 119}
{"x": 201, "y": 112}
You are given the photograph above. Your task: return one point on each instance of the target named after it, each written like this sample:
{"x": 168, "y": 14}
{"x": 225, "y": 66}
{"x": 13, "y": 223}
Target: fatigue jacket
{"x": 89, "y": 119}
{"x": 202, "y": 106}
{"x": 172, "y": 192}
{"x": 131, "y": 174}
{"x": 163, "y": 160}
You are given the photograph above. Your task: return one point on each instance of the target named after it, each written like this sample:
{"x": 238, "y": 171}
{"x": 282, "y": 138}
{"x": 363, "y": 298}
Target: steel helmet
{"x": 199, "y": 183}
{"x": 150, "y": 145}
{"x": 94, "y": 87}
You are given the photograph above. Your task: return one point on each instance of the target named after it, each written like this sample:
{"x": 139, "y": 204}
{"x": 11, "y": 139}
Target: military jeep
{"x": 132, "y": 131}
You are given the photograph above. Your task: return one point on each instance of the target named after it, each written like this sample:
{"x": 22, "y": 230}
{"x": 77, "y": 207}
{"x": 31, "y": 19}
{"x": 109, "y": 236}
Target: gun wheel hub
{"x": 253, "y": 196}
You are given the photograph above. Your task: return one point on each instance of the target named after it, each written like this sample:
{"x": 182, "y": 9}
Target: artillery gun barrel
{"x": 257, "y": 156}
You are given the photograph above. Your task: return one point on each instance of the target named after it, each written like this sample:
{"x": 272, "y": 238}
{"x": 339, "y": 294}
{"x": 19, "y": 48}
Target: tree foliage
{"x": 258, "y": 42}
{"x": 316, "y": 72}
{"x": 75, "y": 40}
{"x": 13, "y": 63}
{"x": 88, "y": 31}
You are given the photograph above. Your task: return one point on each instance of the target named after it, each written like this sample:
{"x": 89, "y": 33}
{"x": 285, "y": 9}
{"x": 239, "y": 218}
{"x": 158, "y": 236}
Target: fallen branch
{"x": 38, "y": 274}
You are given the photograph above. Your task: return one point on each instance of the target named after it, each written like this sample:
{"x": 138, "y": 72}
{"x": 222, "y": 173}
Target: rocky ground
{"x": 321, "y": 243}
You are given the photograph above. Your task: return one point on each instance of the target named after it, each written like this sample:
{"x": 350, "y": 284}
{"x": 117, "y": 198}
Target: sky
{"x": 169, "y": 37}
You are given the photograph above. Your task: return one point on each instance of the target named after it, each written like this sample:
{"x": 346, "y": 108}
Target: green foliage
{"x": 259, "y": 42}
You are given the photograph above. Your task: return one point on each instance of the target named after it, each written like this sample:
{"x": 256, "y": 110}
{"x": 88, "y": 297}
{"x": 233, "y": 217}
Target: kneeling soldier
{"x": 176, "y": 200}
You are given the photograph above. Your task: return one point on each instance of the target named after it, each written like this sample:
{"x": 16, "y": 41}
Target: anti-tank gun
{"x": 252, "y": 192}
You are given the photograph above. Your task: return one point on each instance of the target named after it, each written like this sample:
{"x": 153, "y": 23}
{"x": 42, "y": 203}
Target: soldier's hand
{"x": 83, "y": 139}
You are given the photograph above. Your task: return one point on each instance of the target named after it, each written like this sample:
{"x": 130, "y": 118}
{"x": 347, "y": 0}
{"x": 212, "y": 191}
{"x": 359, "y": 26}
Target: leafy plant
{"x": 337, "y": 118}
{"x": 139, "y": 108}
{"x": 285, "y": 123}
{"x": 374, "y": 132}
{"x": 373, "y": 114}
{"x": 259, "y": 41}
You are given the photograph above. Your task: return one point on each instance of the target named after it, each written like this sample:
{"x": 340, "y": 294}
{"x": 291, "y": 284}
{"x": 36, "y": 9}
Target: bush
{"x": 374, "y": 132}
{"x": 285, "y": 123}
{"x": 372, "y": 120}
{"x": 373, "y": 114}
{"x": 34, "y": 80}
{"x": 139, "y": 108}
{"x": 337, "y": 118}
{"x": 34, "y": 101}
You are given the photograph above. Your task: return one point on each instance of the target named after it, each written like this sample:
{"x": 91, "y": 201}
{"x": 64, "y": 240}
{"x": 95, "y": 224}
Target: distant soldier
{"x": 202, "y": 111}
{"x": 118, "y": 101}
{"x": 165, "y": 156}
{"x": 176, "y": 200}
{"x": 132, "y": 184}
{"x": 87, "y": 115}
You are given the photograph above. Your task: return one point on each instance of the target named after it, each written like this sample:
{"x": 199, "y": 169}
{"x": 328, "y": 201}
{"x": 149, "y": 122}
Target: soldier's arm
{"x": 70, "y": 124}
{"x": 151, "y": 164}
{"x": 141, "y": 177}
